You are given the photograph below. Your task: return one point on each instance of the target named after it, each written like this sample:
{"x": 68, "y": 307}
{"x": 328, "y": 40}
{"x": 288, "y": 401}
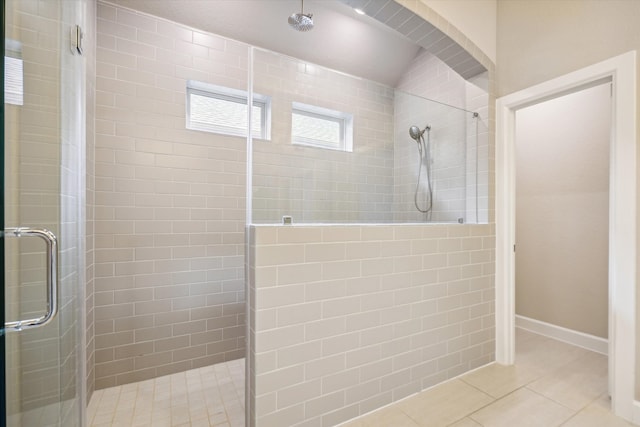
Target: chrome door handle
{"x": 52, "y": 277}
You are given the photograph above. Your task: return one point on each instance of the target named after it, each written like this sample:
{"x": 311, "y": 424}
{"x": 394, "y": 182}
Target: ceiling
{"x": 341, "y": 39}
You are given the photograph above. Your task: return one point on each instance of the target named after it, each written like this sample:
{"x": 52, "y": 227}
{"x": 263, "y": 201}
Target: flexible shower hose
{"x": 423, "y": 150}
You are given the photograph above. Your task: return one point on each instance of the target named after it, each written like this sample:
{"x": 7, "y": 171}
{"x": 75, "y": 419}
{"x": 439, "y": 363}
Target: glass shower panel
{"x": 451, "y": 137}
{"x": 478, "y": 169}
{"x": 371, "y": 176}
{"x": 43, "y": 149}
{"x": 323, "y": 181}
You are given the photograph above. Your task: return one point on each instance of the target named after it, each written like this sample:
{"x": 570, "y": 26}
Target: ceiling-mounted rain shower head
{"x": 300, "y": 21}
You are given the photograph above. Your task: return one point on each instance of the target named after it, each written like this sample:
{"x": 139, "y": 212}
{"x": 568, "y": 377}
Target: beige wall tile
{"x": 158, "y": 231}
{"x": 379, "y": 337}
{"x": 281, "y": 337}
{"x": 299, "y": 273}
{"x": 279, "y": 254}
{"x": 298, "y": 393}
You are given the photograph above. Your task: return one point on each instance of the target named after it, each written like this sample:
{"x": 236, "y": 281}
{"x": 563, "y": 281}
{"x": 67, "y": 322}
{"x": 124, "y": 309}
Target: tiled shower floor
{"x": 209, "y": 396}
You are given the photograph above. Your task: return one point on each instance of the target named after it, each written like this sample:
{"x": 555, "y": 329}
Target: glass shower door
{"x": 42, "y": 206}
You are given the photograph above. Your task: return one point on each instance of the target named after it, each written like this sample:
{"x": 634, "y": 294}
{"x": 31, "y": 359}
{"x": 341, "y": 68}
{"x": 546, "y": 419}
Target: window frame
{"x": 345, "y": 121}
{"x": 263, "y": 102}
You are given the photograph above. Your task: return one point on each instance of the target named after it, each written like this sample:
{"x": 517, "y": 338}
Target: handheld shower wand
{"x": 424, "y": 150}
{"x": 416, "y": 133}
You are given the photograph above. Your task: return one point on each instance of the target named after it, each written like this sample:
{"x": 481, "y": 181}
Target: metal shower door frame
{"x": 3, "y": 409}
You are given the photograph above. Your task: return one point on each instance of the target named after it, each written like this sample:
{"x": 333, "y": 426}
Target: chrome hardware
{"x": 76, "y": 38}
{"x": 52, "y": 277}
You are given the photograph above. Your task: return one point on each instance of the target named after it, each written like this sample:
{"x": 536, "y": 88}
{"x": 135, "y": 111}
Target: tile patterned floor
{"x": 52, "y": 415}
{"x": 209, "y": 396}
{"x": 552, "y": 384}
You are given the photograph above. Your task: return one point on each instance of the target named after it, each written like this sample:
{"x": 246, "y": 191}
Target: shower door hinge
{"x": 76, "y": 40}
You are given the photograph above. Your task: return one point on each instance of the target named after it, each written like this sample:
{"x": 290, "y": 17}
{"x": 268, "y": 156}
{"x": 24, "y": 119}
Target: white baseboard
{"x": 580, "y": 339}
{"x": 636, "y": 413}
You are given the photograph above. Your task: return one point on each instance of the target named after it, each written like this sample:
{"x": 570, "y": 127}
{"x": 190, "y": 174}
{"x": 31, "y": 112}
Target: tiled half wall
{"x": 345, "y": 319}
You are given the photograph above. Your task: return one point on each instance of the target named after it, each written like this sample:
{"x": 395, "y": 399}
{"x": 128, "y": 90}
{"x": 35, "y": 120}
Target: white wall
{"x": 476, "y": 19}
{"x": 543, "y": 39}
{"x": 562, "y": 36}
{"x": 562, "y": 204}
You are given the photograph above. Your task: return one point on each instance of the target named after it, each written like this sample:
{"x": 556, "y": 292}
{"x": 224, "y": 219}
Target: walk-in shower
{"x": 424, "y": 162}
{"x": 155, "y": 219}
{"x": 374, "y": 179}
{"x": 365, "y": 262}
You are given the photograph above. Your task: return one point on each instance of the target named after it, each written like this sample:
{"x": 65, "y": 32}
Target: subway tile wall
{"x": 429, "y": 77}
{"x": 155, "y": 253}
{"x": 169, "y": 203}
{"x": 376, "y": 182}
{"x": 454, "y": 135}
{"x": 346, "y": 319}
{"x": 426, "y": 86}
{"x": 447, "y": 143}
{"x": 315, "y": 185}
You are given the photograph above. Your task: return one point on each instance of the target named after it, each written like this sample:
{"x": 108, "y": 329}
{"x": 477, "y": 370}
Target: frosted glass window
{"x": 320, "y": 127}
{"x": 223, "y": 110}
{"x": 13, "y": 73}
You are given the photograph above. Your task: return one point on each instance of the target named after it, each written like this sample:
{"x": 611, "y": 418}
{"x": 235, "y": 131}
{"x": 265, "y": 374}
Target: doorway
{"x": 562, "y": 208}
{"x": 621, "y": 70}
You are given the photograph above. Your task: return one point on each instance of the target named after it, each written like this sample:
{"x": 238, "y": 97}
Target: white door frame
{"x": 621, "y": 71}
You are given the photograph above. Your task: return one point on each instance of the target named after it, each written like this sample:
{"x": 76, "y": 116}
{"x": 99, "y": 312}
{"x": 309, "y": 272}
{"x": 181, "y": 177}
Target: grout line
{"x": 550, "y": 399}
{"x": 179, "y": 390}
